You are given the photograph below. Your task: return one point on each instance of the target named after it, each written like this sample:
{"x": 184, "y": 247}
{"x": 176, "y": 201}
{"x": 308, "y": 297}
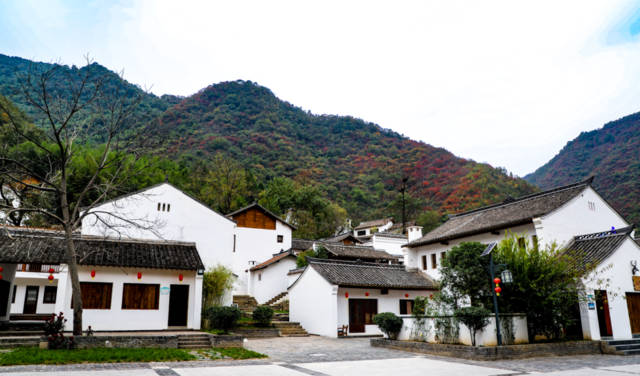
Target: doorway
{"x": 178, "y": 305}
{"x": 5, "y": 288}
{"x": 361, "y": 312}
{"x": 604, "y": 319}
{"x": 633, "y": 305}
{"x": 31, "y": 300}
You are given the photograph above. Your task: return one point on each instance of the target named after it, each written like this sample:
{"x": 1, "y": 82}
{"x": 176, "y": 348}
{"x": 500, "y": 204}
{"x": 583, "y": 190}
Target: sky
{"x": 503, "y": 82}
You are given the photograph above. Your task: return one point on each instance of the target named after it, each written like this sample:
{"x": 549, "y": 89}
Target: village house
{"x": 125, "y": 284}
{"x": 559, "y": 216}
{"x": 332, "y": 297}
{"x": 367, "y": 228}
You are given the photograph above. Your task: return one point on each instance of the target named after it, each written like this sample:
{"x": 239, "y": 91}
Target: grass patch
{"x": 215, "y": 331}
{"x": 30, "y": 355}
{"x": 234, "y": 353}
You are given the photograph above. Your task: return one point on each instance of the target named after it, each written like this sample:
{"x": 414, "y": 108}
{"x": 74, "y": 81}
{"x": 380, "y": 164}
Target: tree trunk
{"x": 75, "y": 282}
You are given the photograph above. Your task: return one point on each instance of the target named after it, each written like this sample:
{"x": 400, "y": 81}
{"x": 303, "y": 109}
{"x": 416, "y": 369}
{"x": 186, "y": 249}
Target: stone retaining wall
{"x": 226, "y": 341}
{"x": 157, "y": 341}
{"x": 257, "y": 333}
{"x": 494, "y": 352}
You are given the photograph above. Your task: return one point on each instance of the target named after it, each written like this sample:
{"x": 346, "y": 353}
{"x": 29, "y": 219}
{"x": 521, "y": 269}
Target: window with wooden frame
{"x": 434, "y": 261}
{"x": 362, "y": 232}
{"x": 50, "y": 293}
{"x": 280, "y": 238}
{"x": 140, "y": 296}
{"x": 424, "y": 262}
{"x": 13, "y": 297}
{"x": 406, "y": 306}
{"x": 95, "y": 295}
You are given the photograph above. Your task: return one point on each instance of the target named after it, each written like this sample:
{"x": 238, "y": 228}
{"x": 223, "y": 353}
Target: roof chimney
{"x": 414, "y": 233}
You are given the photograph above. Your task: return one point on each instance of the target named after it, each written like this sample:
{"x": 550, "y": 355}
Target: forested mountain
{"x": 612, "y": 154}
{"x": 356, "y": 164}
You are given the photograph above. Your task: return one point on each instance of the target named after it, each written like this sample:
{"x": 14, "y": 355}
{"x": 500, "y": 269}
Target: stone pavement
{"x": 301, "y": 356}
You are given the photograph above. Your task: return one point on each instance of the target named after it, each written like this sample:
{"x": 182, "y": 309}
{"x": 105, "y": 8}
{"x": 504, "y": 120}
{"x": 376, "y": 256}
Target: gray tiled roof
{"x": 341, "y": 237}
{"x": 301, "y": 244}
{"x": 373, "y": 223}
{"x": 19, "y": 246}
{"x": 499, "y": 216}
{"x": 588, "y": 251}
{"x": 340, "y": 250}
{"x": 359, "y": 274}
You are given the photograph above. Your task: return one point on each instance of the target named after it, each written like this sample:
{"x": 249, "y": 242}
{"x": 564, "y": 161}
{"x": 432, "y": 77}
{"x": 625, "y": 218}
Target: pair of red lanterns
{"x": 50, "y": 277}
{"x": 497, "y": 289}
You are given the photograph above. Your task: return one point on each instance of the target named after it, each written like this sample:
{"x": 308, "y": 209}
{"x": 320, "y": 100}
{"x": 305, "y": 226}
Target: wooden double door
{"x": 633, "y": 306}
{"x": 361, "y": 312}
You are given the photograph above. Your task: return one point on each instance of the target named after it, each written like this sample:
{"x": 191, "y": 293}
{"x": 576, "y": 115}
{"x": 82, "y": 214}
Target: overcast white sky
{"x": 504, "y": 82}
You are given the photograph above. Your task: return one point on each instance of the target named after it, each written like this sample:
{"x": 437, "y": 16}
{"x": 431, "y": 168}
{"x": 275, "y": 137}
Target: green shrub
{"x": 389, "y": 324}
{"x": 262, "y": 315}
{"x": 475, "y": 318}
{"x": 54, "y": 331}
{"x": 223, "y": 318}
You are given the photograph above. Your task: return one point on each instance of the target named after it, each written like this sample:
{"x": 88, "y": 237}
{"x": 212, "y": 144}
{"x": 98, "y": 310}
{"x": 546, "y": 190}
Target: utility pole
{"x": 404, "y": 214}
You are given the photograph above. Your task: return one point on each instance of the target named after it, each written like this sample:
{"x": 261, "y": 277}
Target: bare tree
{"x": 74, "y": 104}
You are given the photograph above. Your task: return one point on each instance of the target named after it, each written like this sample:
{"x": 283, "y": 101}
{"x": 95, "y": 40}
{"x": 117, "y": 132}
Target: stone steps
{"x": 194, "y": 341}
{"x": 625, "y": 346}
{"x": 276, "y": 298}
{"x": 290, "y": 329}
{"x": 245, "y": 303}
{"x": 11, "y": 342}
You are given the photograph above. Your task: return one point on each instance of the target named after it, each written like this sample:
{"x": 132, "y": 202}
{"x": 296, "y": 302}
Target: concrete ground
{"x": 300, "y": 356}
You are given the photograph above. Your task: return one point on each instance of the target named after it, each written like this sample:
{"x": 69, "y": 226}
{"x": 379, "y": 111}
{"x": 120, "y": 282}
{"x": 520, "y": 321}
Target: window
{"x": 50, "y": 293}
{"x": 521, "y": 242}
{"x": 384, "y": 291}
{"x": 362, "y": 233}
{"x": 434, "y": 261}
{"x": 534, "y": 240}
{"x": 406, "y": 306}
{"x": 260, "y": 277}
{"x": 164, "y": 206}
{"x": 159, "y": 206}
{"x": 280, "y": 238}
{"x": 140, "y": 296}
{"x": 592, "y": 205}
{"x": 168, "y": 207}
{"x": 95, "y": 295}
{"x": 442, "y": 256}
{"x": 234, "y": 242}
{"x": 363, "y": 310}
{"x": 13, "y": 297}
{"x": 424, "y": 262}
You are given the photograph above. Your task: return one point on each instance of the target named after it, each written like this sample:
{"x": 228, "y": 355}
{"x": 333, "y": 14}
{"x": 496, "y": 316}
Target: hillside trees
{"x": 70, "y": 104}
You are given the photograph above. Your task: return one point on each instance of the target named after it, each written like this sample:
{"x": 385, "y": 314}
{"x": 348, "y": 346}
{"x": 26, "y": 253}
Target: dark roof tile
{"x": 588, "y": 251}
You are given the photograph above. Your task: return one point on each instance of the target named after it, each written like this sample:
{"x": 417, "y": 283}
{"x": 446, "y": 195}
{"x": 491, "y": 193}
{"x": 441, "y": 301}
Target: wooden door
{"x": 5, "y": 288}
{"x": 604, "y": 319}
{"x": 361, "y": 312}
{"x": 31, "y": 300}
{"x": 633, "y": 305}
{"x": 178, "y": 305}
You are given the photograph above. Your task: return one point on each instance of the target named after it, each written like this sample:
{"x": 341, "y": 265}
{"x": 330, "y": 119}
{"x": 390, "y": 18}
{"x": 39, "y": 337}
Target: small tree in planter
{"x": 262, "y": 315}
{"x": 389, "y": 324}
{"x": 475, "y": 318}
{"x": 54, "y": 331}
{"x": 223, "y": 318}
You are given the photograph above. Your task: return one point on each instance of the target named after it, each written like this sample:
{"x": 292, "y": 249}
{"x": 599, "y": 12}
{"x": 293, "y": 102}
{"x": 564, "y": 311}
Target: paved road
{"x": 340, "y": 357}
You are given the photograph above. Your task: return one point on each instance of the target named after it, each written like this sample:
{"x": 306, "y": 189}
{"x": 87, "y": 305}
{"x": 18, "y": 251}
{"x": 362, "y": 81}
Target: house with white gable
{"x": 259, "y": 235}
{"x": 562, "y": 216}
{"x": 367, "y": 228}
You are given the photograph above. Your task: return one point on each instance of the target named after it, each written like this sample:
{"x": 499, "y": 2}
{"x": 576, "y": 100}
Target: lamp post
{"x": 507, "y": 277}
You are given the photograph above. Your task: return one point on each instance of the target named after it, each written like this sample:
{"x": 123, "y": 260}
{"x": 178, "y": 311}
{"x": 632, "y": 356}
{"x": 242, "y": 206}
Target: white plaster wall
{"x": 291, "y": 278}
{"x": 313, "y": 303}
{"x": 575, "y": 218}
{"x": 486, "y": 337}
{"x": 118, "y": 319}
{"x": 391, "y": 245}
{"x": 274, "y": 280}
{"x": 8, "y": 274}
{"x": 254, "y": 246}
{"x": 613, "y": 275}
{"x": 414, "y": 255}
{"x": 188, "y": 220}
{"x": 386, "y": 303}
{"x": 24, "y": 279}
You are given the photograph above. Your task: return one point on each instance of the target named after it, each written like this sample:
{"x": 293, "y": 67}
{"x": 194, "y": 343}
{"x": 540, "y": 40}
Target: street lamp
{"x": 507, "y": 277}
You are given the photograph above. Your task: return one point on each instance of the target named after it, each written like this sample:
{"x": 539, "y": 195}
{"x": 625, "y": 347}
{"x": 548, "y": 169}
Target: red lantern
{"x": 431, "y": 296}
{"x": 346, "y": 294}
{"x": 496, "y": 280}
{"x": 180, "y": 277}
{"x": 51, "y": 270}
{"x": 139, "y": 275}
{"x": 498, "y": 290}
{"x": 93, "y": 274}
{"x": 1, "y": 269}
{"x": 366, "y": 294}
{"x": 50, "y": 278}
{"x": 406, "y": 295}
{"x": 0, "y": 277}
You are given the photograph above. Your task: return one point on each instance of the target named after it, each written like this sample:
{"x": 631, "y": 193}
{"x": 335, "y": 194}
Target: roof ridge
{"x": 586, "y": 183}
{"x": 314, "y": 260}
{"x": 605, "y": 234}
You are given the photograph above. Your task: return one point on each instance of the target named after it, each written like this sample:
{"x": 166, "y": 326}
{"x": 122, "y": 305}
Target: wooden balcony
{"x": 38, "y": 268}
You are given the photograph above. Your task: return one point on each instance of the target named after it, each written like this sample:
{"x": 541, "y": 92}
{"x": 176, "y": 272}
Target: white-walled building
{"x": 268, "y": 280}
{"x": 553, "y": 216}
{"x": 610, "y": 261}
{"x": 259, "y": 235}
{"x": 125, "y": 284}
{"x": 331, "y": 294}
{"x": 367, "y": 228}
